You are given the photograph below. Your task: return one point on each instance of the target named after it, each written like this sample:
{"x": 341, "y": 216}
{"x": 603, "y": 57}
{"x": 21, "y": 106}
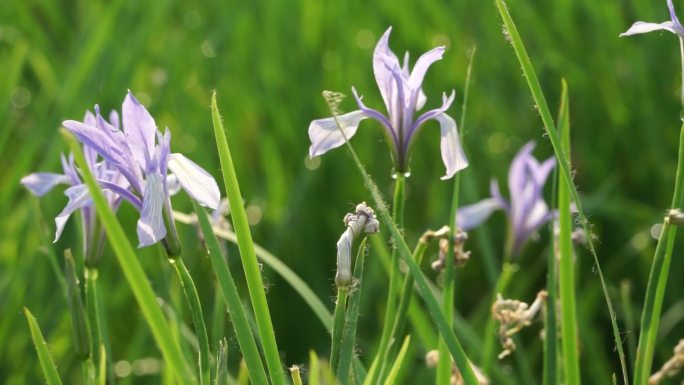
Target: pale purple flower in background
{"x": 142, "y": 154}
{"x": 673, "y": 25}
{"x": 112, "y": 181}
{"x": 526, "y": 210}
{"x": 402, "y": 93}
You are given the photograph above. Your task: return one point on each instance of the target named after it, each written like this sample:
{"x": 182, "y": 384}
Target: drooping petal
{"x": 140, "y": 129}
{"x": 40, "y": 183}
{"x": 450, "y": 144}
{"x": 195, "y": 181}
{"x": 644, "y": 27}
{"x": 78, "y": 198}
{"x": 673, "y": 15}
{"x": 383, "y": 75}
{"x": 471, "y": 216}
{"x": 325, "y": 135}
{"x": 151, "y": 227}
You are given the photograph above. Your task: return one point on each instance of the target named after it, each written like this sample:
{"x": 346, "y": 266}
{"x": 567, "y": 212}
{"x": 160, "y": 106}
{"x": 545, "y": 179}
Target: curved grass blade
{"x": 133, "y": 272}
{"x": 352, "y": 315}
{"x": 250, "y": 265}
{"x": 46, "y": 363}
{"x": 248, "y": 346}
{"x": 197, "y": 318}
{"x": 394, "y": 372}
{"x": 563, "y": 163}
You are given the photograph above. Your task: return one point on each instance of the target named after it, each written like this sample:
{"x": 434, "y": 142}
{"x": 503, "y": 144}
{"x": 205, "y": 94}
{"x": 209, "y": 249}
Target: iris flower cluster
{"x": 133, "y": 164}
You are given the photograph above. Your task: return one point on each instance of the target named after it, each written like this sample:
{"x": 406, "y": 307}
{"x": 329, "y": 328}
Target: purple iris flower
{"x": 673, "y": 25}
{"x": 114, "y": 186}
{"x": 142, "y": 154}
{"x": 403, "y": 95}
{"x": 526, "y": 210}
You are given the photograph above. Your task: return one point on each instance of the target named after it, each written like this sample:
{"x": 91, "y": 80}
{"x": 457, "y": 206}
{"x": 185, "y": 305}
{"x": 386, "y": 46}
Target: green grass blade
{"x": 133, "y": 271}
{"x": 339, "y": 319}
{"x": 192, "y": 297}
{"x": 102, "y": 366}
{"x": 46, "y": 363}
{"x": 250, "y": 265}
{"x": 248, "y": 346}
{"x": 566, "y": 278}
{"x": 352, "y": 316}
{"x": 563, "y": 163}
{"x": 394, "y": 371}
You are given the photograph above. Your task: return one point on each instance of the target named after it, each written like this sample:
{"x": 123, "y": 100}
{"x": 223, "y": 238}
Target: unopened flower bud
{"x": 362, "y": 221}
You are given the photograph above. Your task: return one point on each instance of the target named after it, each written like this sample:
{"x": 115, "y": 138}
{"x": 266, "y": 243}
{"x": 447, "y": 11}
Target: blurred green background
{"x": 269, "y": 62}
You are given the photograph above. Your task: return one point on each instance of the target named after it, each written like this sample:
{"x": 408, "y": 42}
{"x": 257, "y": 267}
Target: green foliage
{"x": 269, "y": 61}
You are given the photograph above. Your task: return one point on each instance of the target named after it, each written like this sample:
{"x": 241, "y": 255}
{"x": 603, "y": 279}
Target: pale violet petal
{"x": 644, "y": 27}
{"x": 383, "y": 76}
{"x": 151, "y": 227}
{"x": 78, "y": 198}
{"x": 424, "y": 62}
{"x": 140, "y": 129}
{"x": 471, "y": 216}
{"x": 195, "y": 181}
{"x": 325, "y": 135}
{"x": 40, "y": 183}
{"x": 450, "y": 144}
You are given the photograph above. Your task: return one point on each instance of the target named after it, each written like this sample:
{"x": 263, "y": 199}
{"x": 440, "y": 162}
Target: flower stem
{"x": 197, "y": 318}
{"x": 349, "y": 333}
{"x": 338, "y": 326}
{"x": 255, "y": 284}
{"x": 382, "y": 359}
{"x": 97, "y": 320}
{"x": 657, "y": 281}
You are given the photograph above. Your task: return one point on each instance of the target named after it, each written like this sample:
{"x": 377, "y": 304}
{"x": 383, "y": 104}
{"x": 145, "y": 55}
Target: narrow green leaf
{"x": 566, "y": 276}
{"x": 250, "y": 265}
{"x": 195, "y": 306}
{"x": 352, "y": 315}
{"x": 248, "y": 346}
{"x": 133, "y": 271}
{"x": 46, "y": 363}
{"x": 394, "y": 372}
{"x": 563, "y": 163}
